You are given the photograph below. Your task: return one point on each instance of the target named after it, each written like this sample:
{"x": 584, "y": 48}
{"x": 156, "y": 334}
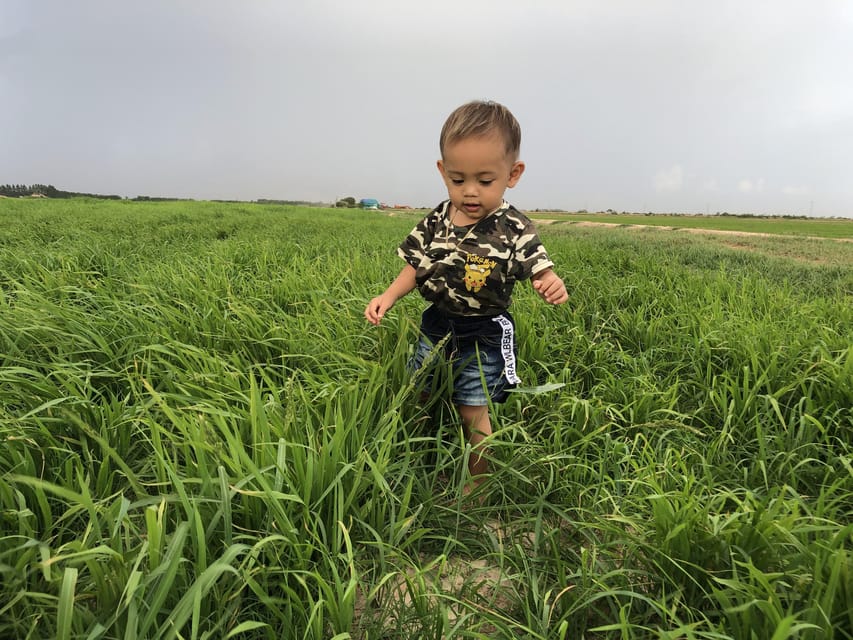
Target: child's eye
{"x": 486, "y": 183}
{"x": 457, "y": 181}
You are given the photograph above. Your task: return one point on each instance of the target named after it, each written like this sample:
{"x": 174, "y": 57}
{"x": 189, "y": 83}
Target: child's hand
{"x": 376, "y": 308}
{"x": 402, "y": 284}
{"x": 550, "y": 287}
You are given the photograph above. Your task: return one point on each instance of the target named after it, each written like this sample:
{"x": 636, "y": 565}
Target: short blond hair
{"x": 480, "y": 118}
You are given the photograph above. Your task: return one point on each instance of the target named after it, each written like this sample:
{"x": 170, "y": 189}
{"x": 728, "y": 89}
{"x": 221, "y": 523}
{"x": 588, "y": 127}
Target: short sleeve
{"x": 530, "y": 254}
{"x": 414, "y": 247}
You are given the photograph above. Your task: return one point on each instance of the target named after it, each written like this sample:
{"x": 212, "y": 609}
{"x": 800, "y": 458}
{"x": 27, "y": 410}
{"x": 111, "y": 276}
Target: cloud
{"x": 749, "y": 186}
{"x": 789, "y": 190}
{"x": 669, "y": 179}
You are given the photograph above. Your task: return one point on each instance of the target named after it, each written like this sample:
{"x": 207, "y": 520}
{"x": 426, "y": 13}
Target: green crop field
{"x": 840, "y": 228}
{"x": 203, "y": 438}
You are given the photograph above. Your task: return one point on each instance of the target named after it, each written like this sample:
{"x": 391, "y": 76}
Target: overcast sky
{"x": 652, "y": 105}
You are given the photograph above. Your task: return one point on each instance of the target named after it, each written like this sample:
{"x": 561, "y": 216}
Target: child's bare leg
{"x": 478, "y": 427}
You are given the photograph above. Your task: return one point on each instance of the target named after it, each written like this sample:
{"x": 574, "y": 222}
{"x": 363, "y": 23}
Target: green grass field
{"x": 841, "y": 228}
{"x": 203, "y": 437}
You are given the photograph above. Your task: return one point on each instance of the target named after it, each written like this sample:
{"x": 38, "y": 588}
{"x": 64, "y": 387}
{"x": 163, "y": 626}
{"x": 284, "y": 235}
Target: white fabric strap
{"x": 507, "y": 349}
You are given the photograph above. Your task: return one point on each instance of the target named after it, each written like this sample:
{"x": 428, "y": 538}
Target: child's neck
{"x": 459, "y": 218}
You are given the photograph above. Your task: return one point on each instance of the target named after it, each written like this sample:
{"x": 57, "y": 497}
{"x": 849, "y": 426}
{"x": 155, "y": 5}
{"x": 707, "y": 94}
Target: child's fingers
{"x": 553, "y": 291}
{"x": 559, "y": 296}
{"x": 373, "y": 312}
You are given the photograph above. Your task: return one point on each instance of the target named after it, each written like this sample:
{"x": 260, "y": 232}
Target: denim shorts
{"x": 480, "y": 354}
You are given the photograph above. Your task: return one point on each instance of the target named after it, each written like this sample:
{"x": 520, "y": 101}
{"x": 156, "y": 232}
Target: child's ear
{"x": 515, "y": 173}
{"x": 440, "y": 165}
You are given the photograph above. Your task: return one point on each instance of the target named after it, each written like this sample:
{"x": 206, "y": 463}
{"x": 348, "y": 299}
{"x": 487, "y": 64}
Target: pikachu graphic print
{"x": 477, "y": 269}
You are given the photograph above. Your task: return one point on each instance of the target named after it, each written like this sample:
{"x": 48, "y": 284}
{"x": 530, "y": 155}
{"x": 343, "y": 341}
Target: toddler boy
{"x": 465, "y": 257}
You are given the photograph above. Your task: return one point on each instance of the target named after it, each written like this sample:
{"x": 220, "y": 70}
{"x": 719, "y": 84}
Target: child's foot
{"x": 471, "y": 489}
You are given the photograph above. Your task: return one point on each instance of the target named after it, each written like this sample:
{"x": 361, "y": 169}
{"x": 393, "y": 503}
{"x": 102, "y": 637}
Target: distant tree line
{"x": 47, "y": 190}
{"x": 160, "y": 199}
{"x": 288, "y": 202}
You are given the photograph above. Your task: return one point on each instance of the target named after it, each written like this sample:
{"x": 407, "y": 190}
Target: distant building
{"x": 369, "y": 203}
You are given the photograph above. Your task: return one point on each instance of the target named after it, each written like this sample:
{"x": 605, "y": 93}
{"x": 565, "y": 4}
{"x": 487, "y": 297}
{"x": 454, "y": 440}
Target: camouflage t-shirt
{"x": 472, "y": 270}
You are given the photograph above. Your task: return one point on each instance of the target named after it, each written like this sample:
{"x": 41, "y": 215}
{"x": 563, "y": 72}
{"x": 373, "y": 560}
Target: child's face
{"x": 477, "y": 171}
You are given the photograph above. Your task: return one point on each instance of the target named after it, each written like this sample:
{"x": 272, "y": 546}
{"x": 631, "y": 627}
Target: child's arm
{"x": 402, "y": 284}
{"x": 550, "y": 287}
